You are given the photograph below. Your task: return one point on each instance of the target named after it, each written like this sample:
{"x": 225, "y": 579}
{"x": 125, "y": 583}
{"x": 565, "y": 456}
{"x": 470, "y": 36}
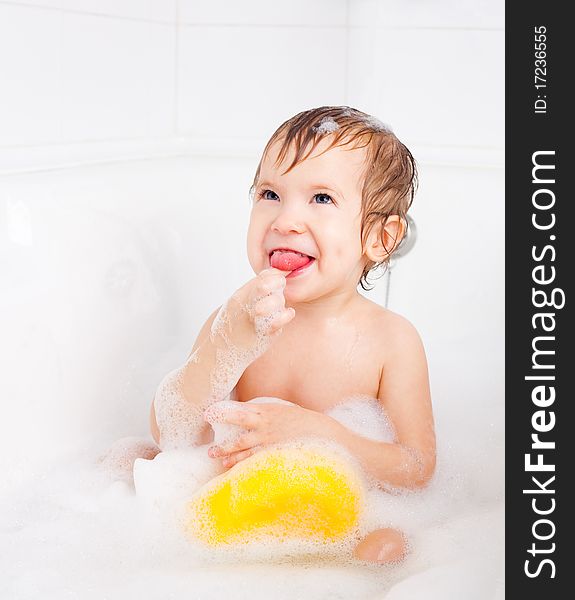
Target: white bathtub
{"x": 107, "y": 273}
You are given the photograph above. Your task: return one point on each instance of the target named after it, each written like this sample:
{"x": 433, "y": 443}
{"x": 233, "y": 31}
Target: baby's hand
{"x": 254, "y": 314}
{"x": 265, "y": 424}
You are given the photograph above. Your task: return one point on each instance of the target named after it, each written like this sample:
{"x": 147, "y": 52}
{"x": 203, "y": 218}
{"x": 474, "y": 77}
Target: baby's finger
{"x": 234, "y": 459}
{"x": 243, "y": 442}
{"x": 281, "y": 320}
{"x": 271, "y": 282}
{"x": 269, "y": 305}
{"x": 272, "y": 271}
{"x": 246, "y": 417}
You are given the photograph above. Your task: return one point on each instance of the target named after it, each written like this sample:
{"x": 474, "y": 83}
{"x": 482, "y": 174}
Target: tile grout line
{"x": 346, "y": 26}
{"x": 87, "y": 13}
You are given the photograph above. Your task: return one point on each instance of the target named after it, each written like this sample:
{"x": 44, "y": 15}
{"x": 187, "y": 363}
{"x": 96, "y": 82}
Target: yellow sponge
{"x": 305, "y": 493}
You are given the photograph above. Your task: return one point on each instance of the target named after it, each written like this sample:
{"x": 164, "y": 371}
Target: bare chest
{"x": 316, "y": 370}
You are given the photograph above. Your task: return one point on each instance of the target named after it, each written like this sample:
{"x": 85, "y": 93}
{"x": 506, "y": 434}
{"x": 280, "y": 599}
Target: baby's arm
{"x": 232, "y": 337}
{"x": 202, "y": 341}
{"x": 404, "y": 393}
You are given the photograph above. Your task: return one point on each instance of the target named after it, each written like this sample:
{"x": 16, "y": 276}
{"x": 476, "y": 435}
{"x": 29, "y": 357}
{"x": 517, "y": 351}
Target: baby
{"x": 329, "y": 200}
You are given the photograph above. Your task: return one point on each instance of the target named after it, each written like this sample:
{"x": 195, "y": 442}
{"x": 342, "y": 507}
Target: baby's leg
{"x": 382, "y": 546}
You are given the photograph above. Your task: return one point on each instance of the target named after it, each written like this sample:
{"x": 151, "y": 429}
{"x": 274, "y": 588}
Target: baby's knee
{"x": 382, "y": 546}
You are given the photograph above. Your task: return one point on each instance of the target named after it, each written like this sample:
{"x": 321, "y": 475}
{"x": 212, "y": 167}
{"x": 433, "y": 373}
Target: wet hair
{"x": 390, "y": 175}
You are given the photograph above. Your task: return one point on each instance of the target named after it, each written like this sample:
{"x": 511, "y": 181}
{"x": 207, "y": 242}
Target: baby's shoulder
{"x": 389, "y": 328}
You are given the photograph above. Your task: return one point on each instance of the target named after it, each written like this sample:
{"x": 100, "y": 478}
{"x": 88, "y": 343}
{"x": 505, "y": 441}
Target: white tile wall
{"x": 122, "y": 70}
{"x": 155, "y": 10}
{"x": 428, "y": 13}
{"x": 118, "y": 78}
{"x": 263, "y": 12}
{"x": 69, "y": 77}
{"x": 363, "y": 81}
{"x": 435, "y": 87}
{"x": 244, "y": 82}
{"x": 30, "y": 76}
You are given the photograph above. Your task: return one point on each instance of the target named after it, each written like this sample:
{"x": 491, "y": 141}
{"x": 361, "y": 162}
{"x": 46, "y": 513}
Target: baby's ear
{"x": 378, "y": 246}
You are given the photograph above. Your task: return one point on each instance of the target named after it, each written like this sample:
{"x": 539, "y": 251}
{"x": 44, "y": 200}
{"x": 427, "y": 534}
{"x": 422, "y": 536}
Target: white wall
{"x": 129, "y": 133}
{"x": 86, "y": 80}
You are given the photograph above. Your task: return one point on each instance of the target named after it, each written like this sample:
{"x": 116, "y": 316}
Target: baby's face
{"x": 314, "y": 209}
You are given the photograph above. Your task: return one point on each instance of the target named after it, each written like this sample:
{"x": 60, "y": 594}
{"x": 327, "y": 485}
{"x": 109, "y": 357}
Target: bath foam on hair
{"x": 307, "y": 492}
{"x": 326, "y": 125}
{"x": 377, "y": 125}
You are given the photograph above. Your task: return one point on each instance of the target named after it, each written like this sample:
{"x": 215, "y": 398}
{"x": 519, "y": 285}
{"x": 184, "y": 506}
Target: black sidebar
{"x": 540, "y": 264}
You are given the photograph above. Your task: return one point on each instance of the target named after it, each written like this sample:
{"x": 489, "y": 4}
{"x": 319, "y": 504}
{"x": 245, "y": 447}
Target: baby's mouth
{"x": 289, "y": 260}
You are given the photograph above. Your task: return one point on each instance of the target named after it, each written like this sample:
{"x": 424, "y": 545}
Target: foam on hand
{"x": 227, "y": 432}
{"x": 181, "y": 422}
{"x": 231, "y": 359}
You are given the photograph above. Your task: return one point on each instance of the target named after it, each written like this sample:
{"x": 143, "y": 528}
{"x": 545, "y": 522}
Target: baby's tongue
{"x": 288, "y": 261}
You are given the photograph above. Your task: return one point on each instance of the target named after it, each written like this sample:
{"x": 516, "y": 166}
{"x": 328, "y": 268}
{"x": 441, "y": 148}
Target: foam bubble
{"x": 326, "y": 125}
{"x": 118, "y": 460}
{"x": 180, "y": 422}
{"x": 364, "y": 415}
{"x": 74, "y": 533}
{"x": 223, "y": 432}
{"x": 164, "y": 483}
{"x": 227, "y": 432}
{"x": 377, "y": 125}
{"x": 231, "y": 359}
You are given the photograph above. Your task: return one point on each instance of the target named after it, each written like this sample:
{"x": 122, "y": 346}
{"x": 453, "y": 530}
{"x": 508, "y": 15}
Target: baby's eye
{"x": 323, "y": 199}
{"x": 269, "y": 195}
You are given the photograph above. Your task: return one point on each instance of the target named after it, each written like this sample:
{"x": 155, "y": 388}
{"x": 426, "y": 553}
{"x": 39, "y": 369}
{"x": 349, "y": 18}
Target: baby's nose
{"x": 288, "y": 221}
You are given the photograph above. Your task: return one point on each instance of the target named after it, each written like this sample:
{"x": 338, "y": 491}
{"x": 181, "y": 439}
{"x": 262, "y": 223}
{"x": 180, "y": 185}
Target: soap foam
{"x": 362, "y": 414}
{"x": 118, "y": 460}
{"x": 232, "y": 360}
{"x": 377, "y": 125}
{"x": 74, "y": 533}
{"x": 326, "y": 125}
{"x": 180, "y": 422}
{"x": 228, "y": 432}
